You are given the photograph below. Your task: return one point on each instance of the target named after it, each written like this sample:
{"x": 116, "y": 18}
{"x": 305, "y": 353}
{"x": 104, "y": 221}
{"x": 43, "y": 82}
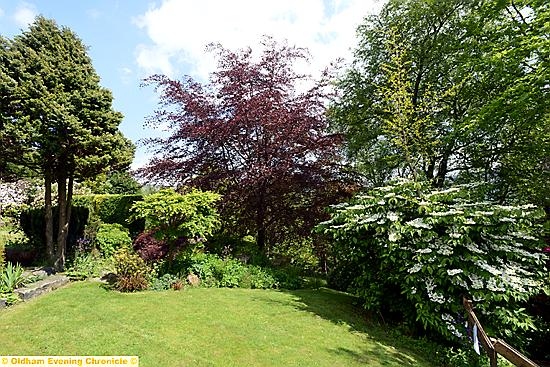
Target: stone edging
{"x": 36, "y": 289}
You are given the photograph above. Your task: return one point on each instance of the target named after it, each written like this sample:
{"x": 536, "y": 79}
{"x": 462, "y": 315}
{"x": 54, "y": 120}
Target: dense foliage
{"x": 453, "y": 94}
{"x": 111, "y": 237}
{"x": 56, "y": 121}
{"x": 149, "y": 247}
{"x": 417, "y": 251}
{"x": 112, "y": 208}
{"x": 116, "y": 183}
{"x": 452, "y": 91}
{"x": 132, "y": 272}
{"x": 252, "y": 135}
{"x": 172, "y": 216}
{"x": 214, "y": 271}
{"x": 32, "y": 221}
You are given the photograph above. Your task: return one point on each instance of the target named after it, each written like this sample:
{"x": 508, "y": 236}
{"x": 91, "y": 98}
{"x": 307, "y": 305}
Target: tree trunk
{"x": 261, "y": 239}
{"x": 439, "y": 179}
{"x": 63, "y": 224}
{"x": 69, "y": 200}
{"x": 260, "y": 221}
{"x": 48, "y": 217}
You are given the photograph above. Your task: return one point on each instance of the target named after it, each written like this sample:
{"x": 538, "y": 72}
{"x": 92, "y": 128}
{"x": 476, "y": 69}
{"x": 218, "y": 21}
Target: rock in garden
{"x": 193, "y": 280}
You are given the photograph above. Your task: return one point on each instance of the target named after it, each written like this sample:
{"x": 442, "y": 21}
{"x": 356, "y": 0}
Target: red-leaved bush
{"x": 149, "y": 248}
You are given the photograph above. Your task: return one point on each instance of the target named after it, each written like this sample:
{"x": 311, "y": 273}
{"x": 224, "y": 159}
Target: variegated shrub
{"x": 417, "y": 251}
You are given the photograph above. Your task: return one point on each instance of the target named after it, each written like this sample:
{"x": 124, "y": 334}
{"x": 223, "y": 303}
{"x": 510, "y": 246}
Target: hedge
{"x": 34, "y": 225}
{"x": 112, "y": 209}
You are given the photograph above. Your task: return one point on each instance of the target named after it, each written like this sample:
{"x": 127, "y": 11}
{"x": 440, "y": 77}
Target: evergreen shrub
{"x": 113, "y": 209}
{"x": 131, "y": 270}
{"x": 111, "y": 237}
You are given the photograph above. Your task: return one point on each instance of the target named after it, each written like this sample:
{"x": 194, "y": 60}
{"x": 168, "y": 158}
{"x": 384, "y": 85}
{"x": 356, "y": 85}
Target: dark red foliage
{"x": 149, "y": 248}
{"x": 257, "y": 135}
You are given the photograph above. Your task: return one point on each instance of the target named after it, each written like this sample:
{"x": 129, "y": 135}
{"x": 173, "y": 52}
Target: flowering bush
{"x": 19, "y": 192}
{"x": 418, "y": 251}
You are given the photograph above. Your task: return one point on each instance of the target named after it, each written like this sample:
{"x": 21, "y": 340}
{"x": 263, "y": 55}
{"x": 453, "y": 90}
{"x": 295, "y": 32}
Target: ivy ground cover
{"x": 202, "y": 327}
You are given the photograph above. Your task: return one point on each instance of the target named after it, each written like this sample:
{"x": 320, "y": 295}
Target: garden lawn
{"x": 201, "y": 327}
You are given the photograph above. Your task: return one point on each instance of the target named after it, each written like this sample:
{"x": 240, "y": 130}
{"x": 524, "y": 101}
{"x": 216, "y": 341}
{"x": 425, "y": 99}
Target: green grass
{"x": 201, "y": 327}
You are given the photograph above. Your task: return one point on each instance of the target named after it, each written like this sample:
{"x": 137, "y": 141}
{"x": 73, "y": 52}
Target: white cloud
{"x": 1, "y": 12}
{"x": 179, "y": 30}
{"x": 126, "y": 75}
{"x": 25, "y": 14}
{"x": 93, "y": 14}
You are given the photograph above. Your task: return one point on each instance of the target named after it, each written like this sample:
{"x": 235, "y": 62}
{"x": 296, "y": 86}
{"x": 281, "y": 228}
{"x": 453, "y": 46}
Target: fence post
{"x": 495, "y": 346}
{"x": 486, "y": 343}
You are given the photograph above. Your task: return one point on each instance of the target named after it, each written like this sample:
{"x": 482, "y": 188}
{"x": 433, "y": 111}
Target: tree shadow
{"x": 387, "y": 347}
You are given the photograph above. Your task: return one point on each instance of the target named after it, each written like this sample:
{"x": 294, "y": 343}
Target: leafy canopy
{"x": 452, "y": 91}
{"x": 56, "y": 121}
{"x": 56, "y": 116}
{"x": 254, "y": 136}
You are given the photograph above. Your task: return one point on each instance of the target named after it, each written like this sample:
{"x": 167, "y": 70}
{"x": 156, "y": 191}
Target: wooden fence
{"x": 494, "y": 347}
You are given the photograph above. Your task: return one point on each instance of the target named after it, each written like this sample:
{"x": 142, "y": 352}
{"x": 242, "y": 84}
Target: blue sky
{"x": 131, "y": 39}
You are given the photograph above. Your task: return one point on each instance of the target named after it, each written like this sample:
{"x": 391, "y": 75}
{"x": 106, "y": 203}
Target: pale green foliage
{"x": 173, "y": 215}
{"x": 406, "y": 120}
{"x": 419, "y": 250}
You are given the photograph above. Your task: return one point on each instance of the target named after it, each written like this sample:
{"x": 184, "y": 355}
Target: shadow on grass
{"x": 343, "y": 309}
{"x": 380, "y": 355}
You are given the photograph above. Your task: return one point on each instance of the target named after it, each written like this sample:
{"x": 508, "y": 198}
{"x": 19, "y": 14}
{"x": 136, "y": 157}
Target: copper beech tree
{"x": 255, "y": 134}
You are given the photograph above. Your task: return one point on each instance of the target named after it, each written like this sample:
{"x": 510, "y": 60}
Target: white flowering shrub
{"x": 417, "y": 251}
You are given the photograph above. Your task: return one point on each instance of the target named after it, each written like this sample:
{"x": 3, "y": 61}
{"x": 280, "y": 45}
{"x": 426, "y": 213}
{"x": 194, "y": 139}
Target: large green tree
{"x": 56, "y": 119}
{"x": 453, "y": 91}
